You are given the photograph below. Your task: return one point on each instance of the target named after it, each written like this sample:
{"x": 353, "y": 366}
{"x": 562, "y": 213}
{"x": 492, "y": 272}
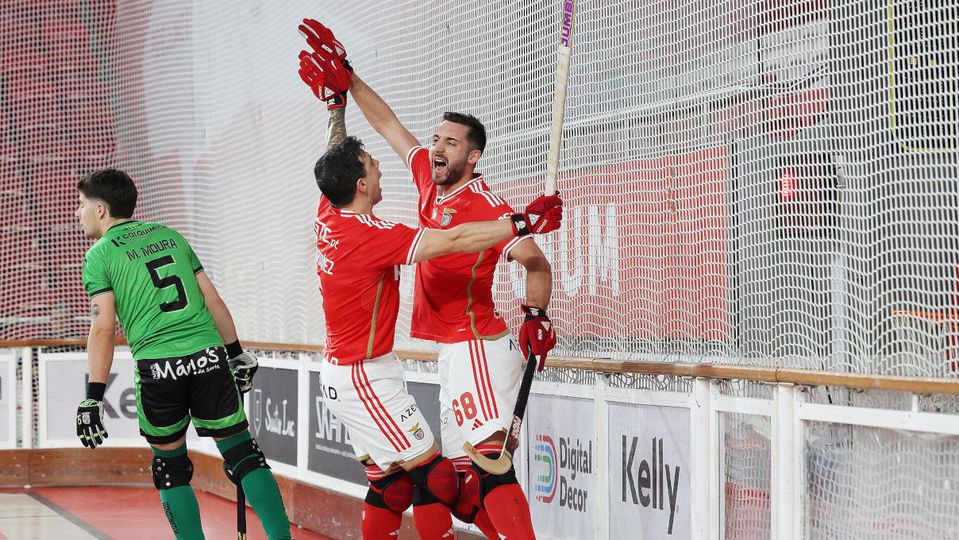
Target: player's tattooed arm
{"x": 102, "y": 338}
{"x": 336, "y": 128}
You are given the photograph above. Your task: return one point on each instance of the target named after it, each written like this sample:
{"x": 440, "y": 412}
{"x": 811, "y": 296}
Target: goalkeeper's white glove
{"x": 244, "y": 366}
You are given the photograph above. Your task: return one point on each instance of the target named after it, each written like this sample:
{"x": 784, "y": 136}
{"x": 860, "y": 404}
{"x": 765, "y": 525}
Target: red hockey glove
{"x": 328, "y": 79}
{"x": 543, "y": 215}
{"x": 536, "y": 336}
{"x": 322, "y": 40}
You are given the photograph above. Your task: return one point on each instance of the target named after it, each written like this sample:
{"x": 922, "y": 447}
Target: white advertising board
{"x": 562, "y": 466}
{"x": 8, "y": 402}
{"x": 649, "y": 468}
{"x": 63, "y": 378}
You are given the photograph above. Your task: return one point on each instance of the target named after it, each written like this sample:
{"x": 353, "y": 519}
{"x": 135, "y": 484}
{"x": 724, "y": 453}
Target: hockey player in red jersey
{"x": 480, "y": 365}
{"x": 358, "y": 265}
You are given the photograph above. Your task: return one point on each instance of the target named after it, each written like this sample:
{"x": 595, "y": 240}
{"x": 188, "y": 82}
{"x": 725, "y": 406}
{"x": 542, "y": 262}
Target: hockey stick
{"x": 502, "y": 464}
{"x": 240, "y": 501}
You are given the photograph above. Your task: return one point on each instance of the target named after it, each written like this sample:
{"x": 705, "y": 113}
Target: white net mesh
{"x": 750, "y": 182}
{"x": 747, "y": 464}
{"x": 870, "y": 483}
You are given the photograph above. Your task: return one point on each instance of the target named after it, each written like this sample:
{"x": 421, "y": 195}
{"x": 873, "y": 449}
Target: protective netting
{"x": 747, "y": 182}
{"x": 870, "y": 483}
{"x": 747, "y": 465}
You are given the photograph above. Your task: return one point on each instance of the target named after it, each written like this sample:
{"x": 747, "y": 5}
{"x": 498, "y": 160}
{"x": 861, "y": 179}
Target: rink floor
{"x": 115, "y": 512}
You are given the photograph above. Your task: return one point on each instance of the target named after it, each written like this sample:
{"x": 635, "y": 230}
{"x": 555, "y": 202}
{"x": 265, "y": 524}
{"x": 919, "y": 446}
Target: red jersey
{"x": 357, "y": 261}
{"x": 453, "y": 297}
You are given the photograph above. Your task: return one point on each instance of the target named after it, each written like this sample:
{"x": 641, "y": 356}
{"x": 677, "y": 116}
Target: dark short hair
{"x": 477, "y": 133}
{"x": 338, "y": 169}
{"x": 112, "y": 186}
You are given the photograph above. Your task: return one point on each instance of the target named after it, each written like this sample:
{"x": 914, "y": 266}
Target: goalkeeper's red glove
{"x": 328, "y": 79}
{"x": 536, "y": 336}
{"x": 322, "y": 40}
{"x": 543, "y": 215}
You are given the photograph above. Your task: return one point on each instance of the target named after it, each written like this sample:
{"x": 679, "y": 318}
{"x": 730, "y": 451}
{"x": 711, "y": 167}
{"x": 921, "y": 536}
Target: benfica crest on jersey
{"x": 447, "y": 217}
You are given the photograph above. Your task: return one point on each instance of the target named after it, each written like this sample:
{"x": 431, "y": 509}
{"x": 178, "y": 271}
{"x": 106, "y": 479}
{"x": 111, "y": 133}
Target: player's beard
{"x": 450, "y": 174}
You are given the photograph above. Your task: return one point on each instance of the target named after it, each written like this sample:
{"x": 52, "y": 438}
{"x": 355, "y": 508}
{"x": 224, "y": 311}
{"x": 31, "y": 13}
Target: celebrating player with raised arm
{"x": 147, "y": 275}
{"x": 358, "y": 265}
{"x": 480, "y": 367}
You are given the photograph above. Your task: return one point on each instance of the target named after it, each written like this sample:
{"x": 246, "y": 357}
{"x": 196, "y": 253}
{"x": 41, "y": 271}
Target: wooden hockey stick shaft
{"x": 559, "y": 96}
{"x": 504, "y": 461}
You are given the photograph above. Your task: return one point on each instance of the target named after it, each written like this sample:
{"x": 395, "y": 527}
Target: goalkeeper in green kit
{"x": 148, "y": 276}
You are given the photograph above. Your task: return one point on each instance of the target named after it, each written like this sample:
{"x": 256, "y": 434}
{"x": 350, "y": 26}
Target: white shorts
{"x": 479, "y": 381}
{"x": 369, "y": 397}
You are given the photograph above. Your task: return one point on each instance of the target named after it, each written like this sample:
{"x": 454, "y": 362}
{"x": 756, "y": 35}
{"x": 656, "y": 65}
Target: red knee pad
{"x": 439, "y": 480}
{"x": 469, "y": 500}
{"x": 394, "y": 492}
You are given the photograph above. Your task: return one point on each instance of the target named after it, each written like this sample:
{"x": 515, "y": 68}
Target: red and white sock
{"x": 506, "y": 505}
{"x": 380, "y": 523}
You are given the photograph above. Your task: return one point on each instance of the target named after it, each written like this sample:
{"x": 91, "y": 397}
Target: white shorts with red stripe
{"x": 369, "y": 397}
{"x": 479, "y": 381}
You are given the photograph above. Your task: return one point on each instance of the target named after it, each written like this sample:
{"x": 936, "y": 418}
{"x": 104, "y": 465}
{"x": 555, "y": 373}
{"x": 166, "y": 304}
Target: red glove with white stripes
{"x": 322, "y": 40}
{"x": 327, "y": 78}
{"x": 326, "y": 70}
{"x": 536, "y": 336}
{"x": 543, "y": 215}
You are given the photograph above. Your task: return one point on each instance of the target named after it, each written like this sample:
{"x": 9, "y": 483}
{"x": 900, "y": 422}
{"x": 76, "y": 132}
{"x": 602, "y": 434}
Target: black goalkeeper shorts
{"x": 171, "y": 391}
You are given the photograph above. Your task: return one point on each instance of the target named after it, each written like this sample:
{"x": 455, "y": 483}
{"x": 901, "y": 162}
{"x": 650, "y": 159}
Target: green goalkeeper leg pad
{"x": 259, "y": 486}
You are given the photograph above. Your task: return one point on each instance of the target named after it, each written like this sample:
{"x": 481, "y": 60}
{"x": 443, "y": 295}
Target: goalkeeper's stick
{"x": 502, "y": 464}
{"x": 240, "y": 502}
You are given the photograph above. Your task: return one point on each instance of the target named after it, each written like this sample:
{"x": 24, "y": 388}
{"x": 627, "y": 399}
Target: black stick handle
{"x": 512, "y": 438}
{"x": 240, "y": 503}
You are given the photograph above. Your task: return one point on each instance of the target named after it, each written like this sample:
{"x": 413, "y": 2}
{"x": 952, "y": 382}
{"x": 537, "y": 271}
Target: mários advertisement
{"x": 63, "y": 386}
{"x": 273, "y": 409}
{"x": 562, "y": 466}
{"x": 649, "y": 465}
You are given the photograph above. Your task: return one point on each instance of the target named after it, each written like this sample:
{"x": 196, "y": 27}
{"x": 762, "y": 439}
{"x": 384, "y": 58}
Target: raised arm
{"x": 382, "y": 117}
{"x": 465, "y": 238}
{"x": 336, "y": 127}
{"x": 545, "y": 214}
{"x": 327, "y": 71}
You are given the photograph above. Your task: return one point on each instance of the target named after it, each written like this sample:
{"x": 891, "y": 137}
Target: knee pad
{"x": 435, "y": 481}
{"x": 393, "y": 492}
{"x": 470, "y": 496}
{"x": 489, "y": 481}
{"x": 171, "y": 472}
{"x": 243, "y": 459}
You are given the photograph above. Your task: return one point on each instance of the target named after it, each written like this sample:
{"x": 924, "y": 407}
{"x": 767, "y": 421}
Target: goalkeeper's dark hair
{"x": 338, "y": 169}
{"x": 112, "y": 186}
{"x": 477, "y": 133}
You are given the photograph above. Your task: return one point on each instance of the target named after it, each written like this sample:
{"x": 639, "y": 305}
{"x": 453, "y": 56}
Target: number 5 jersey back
{"x": 151, "y": 270}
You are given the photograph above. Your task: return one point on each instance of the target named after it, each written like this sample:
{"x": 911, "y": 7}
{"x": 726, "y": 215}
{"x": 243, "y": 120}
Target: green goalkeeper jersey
{"x": 151, "y": 270}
